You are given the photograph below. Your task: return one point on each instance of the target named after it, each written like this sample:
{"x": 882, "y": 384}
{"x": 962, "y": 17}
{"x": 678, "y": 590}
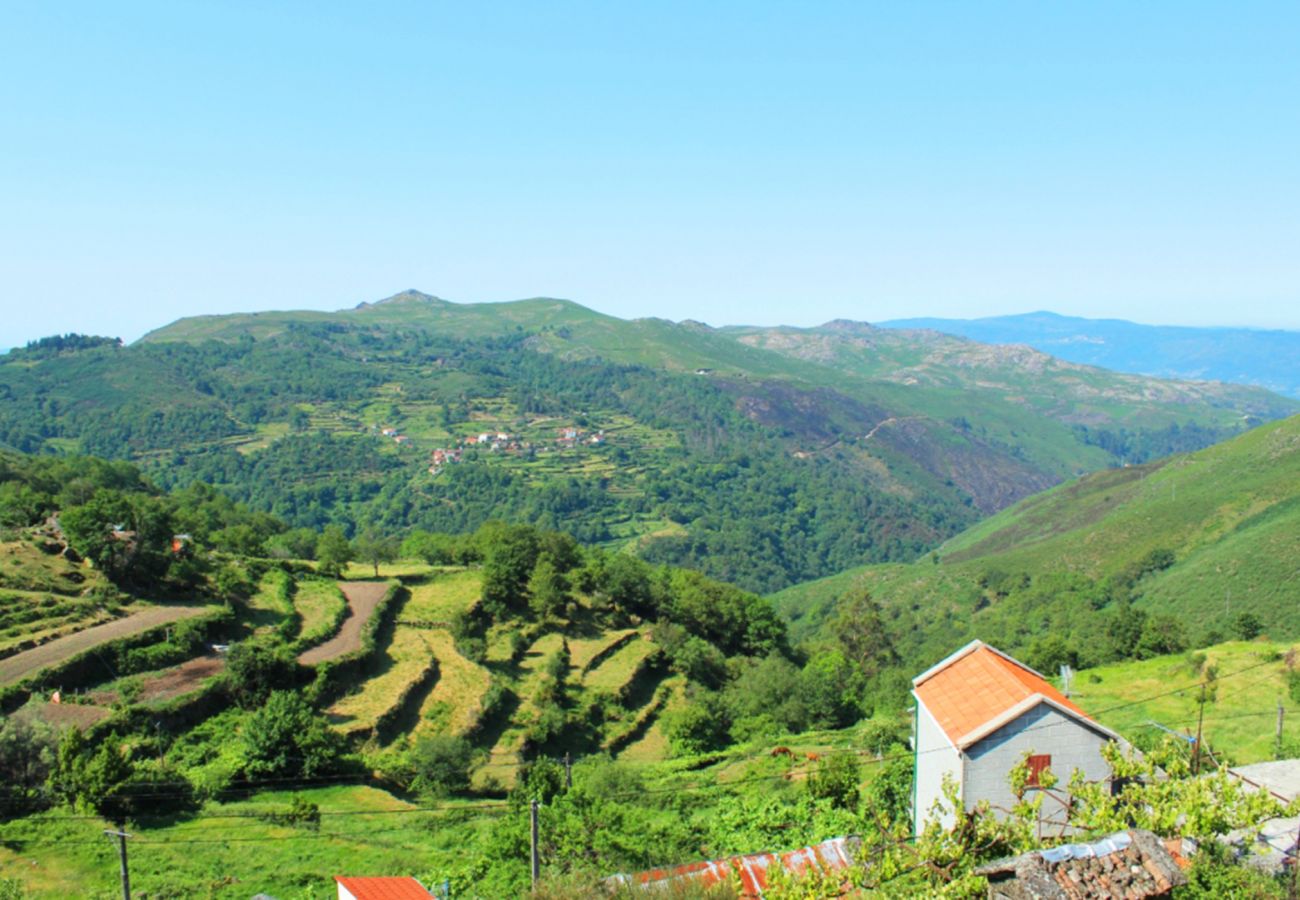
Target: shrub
{"x": 440, "y": 764}
{"x": 285, "y": 737}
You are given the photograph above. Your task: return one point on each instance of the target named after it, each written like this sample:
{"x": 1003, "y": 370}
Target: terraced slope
{"x": 19, "y": 666}
{"x": 362, "y": 597}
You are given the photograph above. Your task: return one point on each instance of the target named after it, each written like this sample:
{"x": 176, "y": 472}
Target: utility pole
{"x": 1200, "y": 720}
{"x": 536, "y": 866}
{"x": 1280, "y": 712}
{"x": 568, "y": 771}
{"x": 121, "y": 855}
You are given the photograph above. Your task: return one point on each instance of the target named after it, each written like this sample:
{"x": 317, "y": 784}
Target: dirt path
{"x": 20, "y": 665}
{"x": 363, "y": 597}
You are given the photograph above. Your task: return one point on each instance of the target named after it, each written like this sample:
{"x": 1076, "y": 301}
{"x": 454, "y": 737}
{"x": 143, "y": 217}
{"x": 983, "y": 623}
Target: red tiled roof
{"x": 978, "y": 684}
{"x": 384, "y": 888}
{"x": 752, "y": 870}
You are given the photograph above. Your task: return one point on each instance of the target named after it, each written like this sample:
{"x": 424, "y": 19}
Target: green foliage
{"x": 699, "y": 726}
{"x": 837, "y": 779}
{"x": 333, "y": 552}
{"x": 440, "y": 764}
{"x": 27, "y": 755}
{"x": 91, "y": 779}
{"x": 373, "y": 549}
{"x": 285, "y": 737}
{"x": 256, "y": 668}
{"x": 1248, "y": 626}
{"x": 509, "y": 555}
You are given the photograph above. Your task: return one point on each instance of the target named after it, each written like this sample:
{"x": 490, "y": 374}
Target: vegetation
{"x": 1133, "y": 562}
{"x": 800, "y": 454}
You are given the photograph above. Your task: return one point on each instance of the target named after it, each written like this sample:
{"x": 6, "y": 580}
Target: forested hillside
{"x": 1138, "y": 561}
{"x": 762, "y": 457}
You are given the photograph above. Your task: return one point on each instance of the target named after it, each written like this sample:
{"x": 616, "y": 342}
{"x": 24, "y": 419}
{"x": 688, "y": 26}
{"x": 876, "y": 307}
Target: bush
{"x": 1247, "y": 626}
{"x": 837, "y": 779}
{"x": 440, "y": 764}
{"x": 256, "y": 668}
{"x": 285, "y": 737}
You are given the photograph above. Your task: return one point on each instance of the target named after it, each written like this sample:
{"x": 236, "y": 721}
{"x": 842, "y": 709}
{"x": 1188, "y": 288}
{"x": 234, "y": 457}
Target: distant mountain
{"x": 1269, "y": 359}
{"x": 763, "y": 456}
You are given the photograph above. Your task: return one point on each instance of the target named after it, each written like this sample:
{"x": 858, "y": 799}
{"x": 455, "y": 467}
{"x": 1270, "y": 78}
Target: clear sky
{"x": 729, "y": 162}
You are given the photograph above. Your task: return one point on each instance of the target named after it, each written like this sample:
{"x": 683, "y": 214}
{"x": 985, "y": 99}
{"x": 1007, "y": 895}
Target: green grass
{"x": 442, "y": 595}
{"x": 400, "y": 664}
{"x": 1240, "y": 721}
{"x": 1230, "y": 514}
{"x": 319, "y": 603}
{"x": 618, "y": 670}
{"x": 237, "y": 857}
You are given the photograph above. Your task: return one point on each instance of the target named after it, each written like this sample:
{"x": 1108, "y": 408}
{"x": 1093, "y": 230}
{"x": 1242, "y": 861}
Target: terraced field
{"x": 318, "y": 603}
{"x": 456, "y": 699}
{"x": 30, "y": 618}
{"x": 20, "y": 665}
{"x": 616, "y": 671}
{"x": 403, "y": 663}
{"x": 362, "y": 598}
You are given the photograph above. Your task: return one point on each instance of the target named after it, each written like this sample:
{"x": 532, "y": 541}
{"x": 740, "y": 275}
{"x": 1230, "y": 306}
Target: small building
{"x": 978, "y": 713}
{"x": 380, "y": 889}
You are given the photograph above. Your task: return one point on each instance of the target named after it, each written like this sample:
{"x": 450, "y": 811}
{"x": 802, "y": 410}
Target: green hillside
{"x": 763, "y": 457}
{"x": 1203, "y": 538}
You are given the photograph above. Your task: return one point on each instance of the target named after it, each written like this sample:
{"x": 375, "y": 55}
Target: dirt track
{"x": 20, "y": 665}
{"x": 363, "y": 597}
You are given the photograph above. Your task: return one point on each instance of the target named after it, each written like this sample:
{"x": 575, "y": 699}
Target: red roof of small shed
{"x": 386, "y": 888}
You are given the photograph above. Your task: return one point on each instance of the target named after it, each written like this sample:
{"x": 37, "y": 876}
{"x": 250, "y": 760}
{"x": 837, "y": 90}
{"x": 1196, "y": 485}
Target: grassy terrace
{"x": 401, "y": 663}
{"x": 619, "y": 669}
{"x": 454, "y": 703}
{"x": 319, "y": 603}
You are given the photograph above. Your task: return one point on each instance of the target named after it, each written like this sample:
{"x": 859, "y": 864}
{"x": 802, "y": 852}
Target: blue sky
{"x": 729, "y": 162}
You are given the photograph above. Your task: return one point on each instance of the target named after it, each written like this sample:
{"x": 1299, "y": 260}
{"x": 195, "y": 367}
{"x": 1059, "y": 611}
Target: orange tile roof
{"x": 977, "y": 685}
{"x": 384, "y": 888}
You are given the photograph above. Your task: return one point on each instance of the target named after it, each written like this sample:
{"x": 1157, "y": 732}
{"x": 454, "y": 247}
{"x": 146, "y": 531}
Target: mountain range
{"x": 764, "y": 456}
{"x": 1268, "y": 358}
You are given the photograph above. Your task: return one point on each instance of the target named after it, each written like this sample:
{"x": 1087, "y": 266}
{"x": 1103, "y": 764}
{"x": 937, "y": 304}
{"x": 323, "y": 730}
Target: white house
{"x": 977, "y": 713}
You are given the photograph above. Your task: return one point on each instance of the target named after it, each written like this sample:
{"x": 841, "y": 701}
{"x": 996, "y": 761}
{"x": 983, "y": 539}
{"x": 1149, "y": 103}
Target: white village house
{"x": 977, "y": 713}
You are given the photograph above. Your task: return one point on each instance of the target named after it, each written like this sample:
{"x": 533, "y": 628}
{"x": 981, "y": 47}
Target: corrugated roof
{"x": 978, "y": 686}
{"x": 387, "y": 888}
{"x": 828, "y": 856}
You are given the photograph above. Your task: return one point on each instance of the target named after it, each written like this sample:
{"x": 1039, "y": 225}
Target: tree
{"x": 548, "y": 589}
{"x": 90, "y": 779}
{"x": 333, "y": 552}
{"x": 285, "y": 737}
{"x": 1248, "y": 626}
{"x": 255, "y": 668}
{"x": 837, "y": 778}
{"x": 860, "y": 631}
{"x": 374, "y": 549}
{"x": 509, "y": 554}
{"x": 27, "y": 753}
{"x": 441, "y": 764}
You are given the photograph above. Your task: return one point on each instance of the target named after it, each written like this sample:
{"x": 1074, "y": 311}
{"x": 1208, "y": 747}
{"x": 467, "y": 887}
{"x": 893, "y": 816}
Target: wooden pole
{"x": 121, "y": 857}
{"x": 1200, "y": 720}
{"x": 1281, "y": 711}
{"x": 536, "y": 866}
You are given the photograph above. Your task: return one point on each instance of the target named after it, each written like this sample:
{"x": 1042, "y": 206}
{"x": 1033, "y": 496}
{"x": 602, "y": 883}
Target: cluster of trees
{"x": 753, "y": 514}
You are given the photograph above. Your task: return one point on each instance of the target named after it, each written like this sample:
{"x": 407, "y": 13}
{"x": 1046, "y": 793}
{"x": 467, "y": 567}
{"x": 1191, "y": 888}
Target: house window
{"x": 1038, "y": 763}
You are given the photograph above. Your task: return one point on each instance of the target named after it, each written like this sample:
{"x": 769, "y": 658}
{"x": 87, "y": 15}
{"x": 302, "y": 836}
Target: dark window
{"x": 1038, "y": 763}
